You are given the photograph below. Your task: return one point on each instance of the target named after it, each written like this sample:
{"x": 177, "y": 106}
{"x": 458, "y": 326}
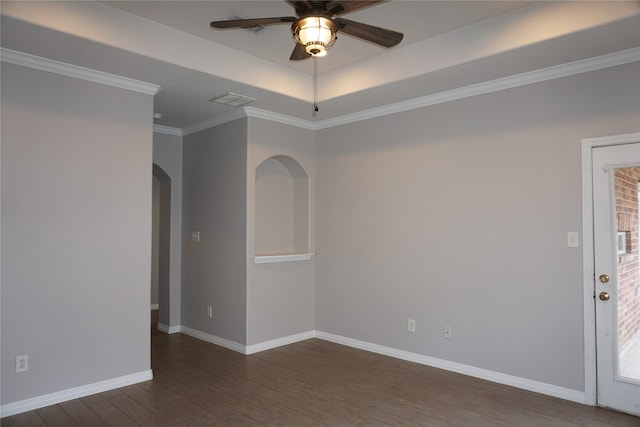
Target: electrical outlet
{"x": 446, "y": 332}
{"x": 209, "y": 311}
{"x": 411, "y": 325}
{"x": 22, "y": 363}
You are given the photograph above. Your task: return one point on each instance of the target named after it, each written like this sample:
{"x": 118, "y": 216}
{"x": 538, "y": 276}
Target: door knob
{"x": 604, "y": 278}
{"x": 604, "y": 296}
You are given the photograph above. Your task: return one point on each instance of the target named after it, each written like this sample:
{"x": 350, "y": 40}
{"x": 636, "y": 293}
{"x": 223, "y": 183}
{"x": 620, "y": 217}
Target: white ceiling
{"x": 417, "y": 20}
{"x": 446, "y": 45}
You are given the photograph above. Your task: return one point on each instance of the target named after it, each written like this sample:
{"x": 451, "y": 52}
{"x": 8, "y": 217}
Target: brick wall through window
{"x": 626, "y": 189}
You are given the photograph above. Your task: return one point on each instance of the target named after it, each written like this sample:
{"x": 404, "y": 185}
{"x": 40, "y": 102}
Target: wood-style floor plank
{"x": 311, "y": 383}
{"x": 81, "y": 414}
{"x": 55, "y": 416}
{"x": 26, "y": 419}
{"x": 106, "y": 412}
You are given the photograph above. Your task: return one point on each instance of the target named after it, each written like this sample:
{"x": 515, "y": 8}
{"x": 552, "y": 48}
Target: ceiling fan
{"x": 317, "y": 24}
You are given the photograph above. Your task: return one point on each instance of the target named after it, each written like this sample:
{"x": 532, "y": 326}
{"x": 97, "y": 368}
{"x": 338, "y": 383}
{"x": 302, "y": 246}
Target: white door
{"x": 616, "y": 172}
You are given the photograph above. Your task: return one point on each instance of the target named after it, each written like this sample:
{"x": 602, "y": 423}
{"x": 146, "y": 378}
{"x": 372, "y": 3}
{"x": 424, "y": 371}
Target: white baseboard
{"x": 222, "y": 342}
{"x": 485, "y": 374}
{"x": 497, "y": 377}
{"x": 246, "y": 349}
{"x": 169, "y": 329}
{"x": 73, "y": 393}
{"x": 268, "y": 345}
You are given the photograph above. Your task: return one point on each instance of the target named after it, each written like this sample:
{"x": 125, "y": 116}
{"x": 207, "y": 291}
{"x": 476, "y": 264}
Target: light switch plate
{"x": 572, "y": 239}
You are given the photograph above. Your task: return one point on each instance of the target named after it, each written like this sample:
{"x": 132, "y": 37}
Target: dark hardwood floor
{"x": 310, "y": 383}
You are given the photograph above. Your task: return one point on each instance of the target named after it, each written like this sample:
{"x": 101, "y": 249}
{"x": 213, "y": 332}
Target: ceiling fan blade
{"x": 337, "y": 8}
{"x": 245, "y": 23}
{"x": 370, "y": 33}
{"x": 299, "y": 53}
{"x": 300, "y": 6}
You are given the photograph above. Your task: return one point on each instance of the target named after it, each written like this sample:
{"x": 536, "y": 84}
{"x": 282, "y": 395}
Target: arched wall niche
{"x": 281, "y": 208}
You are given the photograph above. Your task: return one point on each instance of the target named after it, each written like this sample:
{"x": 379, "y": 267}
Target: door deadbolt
{"x": 604, "y": 296}
{"x": 604, "y": 278}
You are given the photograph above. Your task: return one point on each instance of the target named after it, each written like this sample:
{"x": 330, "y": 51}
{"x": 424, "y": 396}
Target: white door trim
{"x": 588, "y": 267}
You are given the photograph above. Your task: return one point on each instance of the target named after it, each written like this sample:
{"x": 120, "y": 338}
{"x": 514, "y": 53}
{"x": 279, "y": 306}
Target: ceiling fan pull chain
{"x": 315, "y": 86}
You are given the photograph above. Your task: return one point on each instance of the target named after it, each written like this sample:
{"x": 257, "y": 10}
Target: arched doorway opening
{"x": 160, "y": 248}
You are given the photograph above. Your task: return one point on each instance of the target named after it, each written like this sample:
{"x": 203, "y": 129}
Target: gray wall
{"x": 458, "y": 214}
{"x": 76, "y": 232}
{"x": 280, "y": 300}
{"x": 167, "y": 154}
{"x": 214, "y": 203}
{"x": 454, "y": 214}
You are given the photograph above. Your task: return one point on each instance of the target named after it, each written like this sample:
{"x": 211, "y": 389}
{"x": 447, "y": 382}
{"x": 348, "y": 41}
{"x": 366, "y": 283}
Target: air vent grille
{"x": 255, "y": 29}
{"x": 233, "y": 99}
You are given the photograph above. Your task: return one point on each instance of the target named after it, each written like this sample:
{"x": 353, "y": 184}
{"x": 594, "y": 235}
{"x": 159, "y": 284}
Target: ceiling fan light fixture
{"x": 316, "y": 33}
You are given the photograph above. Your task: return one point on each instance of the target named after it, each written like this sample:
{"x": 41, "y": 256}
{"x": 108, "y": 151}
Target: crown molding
{"x": 252, "y": 112}
{"x": 279, "y": 118}
{"x": 167, "y": 130}
{"x": 537, "y": 76}
{"x": 57, "y": 67}
{"x": 229, "y": 116}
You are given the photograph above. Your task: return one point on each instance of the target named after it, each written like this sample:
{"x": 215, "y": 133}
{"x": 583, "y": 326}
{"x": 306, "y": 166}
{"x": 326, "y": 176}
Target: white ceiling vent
{"x": 233, "y": 99}
{"x": 255, "y": 29}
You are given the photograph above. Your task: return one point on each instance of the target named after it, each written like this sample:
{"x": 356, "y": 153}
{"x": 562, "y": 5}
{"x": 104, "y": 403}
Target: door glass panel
{"x": 627, "y": 191}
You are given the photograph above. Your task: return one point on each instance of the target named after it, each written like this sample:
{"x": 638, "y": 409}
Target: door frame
{"x": 588, "y": 259}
